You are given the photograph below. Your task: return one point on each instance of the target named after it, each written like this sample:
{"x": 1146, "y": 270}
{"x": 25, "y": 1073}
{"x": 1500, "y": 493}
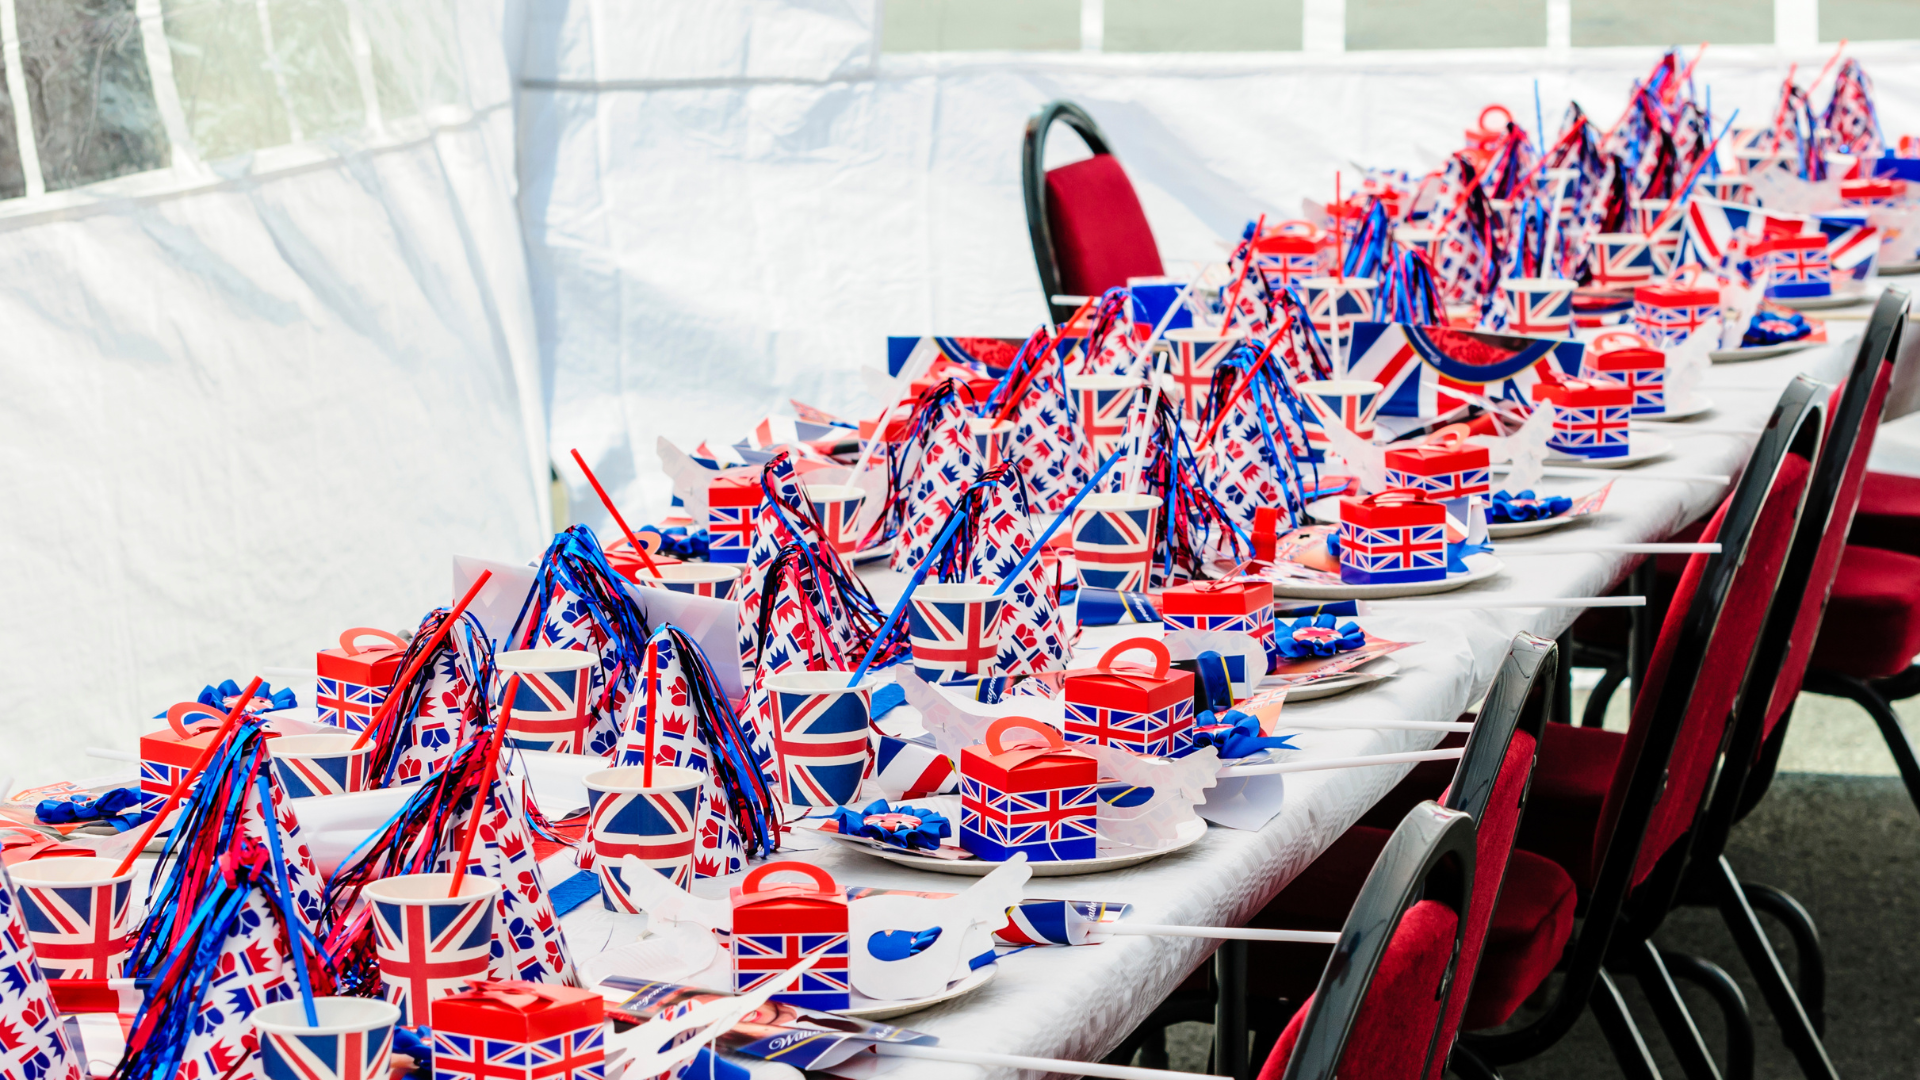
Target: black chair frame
{"x": 1033, "y": 185}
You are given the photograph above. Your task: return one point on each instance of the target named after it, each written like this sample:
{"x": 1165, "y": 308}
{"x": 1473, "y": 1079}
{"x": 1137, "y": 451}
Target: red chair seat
{"x": 1570, "y": 784}
{"x": 1530, "y": 928}
{"x": 1100, "y": 234}
{"x": 1871, "y": 628}
{"x": 1889, "y": 514}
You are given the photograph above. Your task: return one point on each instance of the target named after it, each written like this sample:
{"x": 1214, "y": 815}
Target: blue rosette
{"x": 1316, "y": 635}
{"x": 912, "y": 828}
{"x": 1507, "y": 507}
{"x": 1235, "y": 735}
{"x": 1776, "y": 327}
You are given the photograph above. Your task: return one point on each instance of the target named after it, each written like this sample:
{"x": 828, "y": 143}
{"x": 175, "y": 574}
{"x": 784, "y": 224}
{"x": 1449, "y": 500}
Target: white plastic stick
{"x": 1451, "y": 753}
{"x": 1622, "y": 474}
{"x": 1682, "y": 427}
{"x": 1611, "y": 549}
{"x": 1179, "y": 301}
{"x": 1499, "y": 603}
{"x": 1036, "y": 1064}
{"x": 1376, "y": 725}
{"x": 1559, "y": 178}
{"x": 1130, "y": 928}
{"x": 105, "y": 754}
{"x": 1076, "y": 301}
{"x": 1136, "y": 469}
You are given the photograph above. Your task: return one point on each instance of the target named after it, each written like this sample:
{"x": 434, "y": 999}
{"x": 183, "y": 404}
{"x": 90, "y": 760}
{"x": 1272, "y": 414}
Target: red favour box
{"x": 353, "y": 679}
{"x": 1040, "y": 799}
{"x": 1445, "y": 467}
{"x": 519, "y": 1031}
{"x": 774, "y": 926}
{"x": 1392, "y": 537}
{"x": 1244, "y": 607}
{"x": 1583, "y": 393}
{"x": 166, "y": 755}
{"x": 1643, "y": 371}
{"x": 733, "y": 511}
{"x": 1147, "y": 712}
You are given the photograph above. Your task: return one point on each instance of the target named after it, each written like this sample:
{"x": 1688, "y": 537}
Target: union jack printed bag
{"x": 698, "y": 730}
{"x": 33, "y": 1045}
{"x": 578, "y": 602}
{"x": 437, "y": 710}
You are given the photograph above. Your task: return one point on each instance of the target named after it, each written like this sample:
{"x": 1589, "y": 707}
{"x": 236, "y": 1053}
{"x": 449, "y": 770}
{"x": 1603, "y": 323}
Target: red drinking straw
{"x": 617, "y": 519}
{"x": 653, "y": 718}
{"x": 486, "y": 784}
{"x": 433, "y": 644}
{"x": 180, "y": 789}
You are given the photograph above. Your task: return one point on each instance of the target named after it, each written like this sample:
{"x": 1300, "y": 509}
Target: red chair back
{"x": 1377, "y": 1010}
{"x": 1088, "y": 231}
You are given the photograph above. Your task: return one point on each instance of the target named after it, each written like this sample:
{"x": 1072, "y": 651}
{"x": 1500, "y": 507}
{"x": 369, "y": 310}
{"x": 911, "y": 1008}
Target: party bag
{"x": 578, "y": 602}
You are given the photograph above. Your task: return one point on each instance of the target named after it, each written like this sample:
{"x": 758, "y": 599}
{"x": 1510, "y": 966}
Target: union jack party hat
{"x": 1195, "y": 526}
{"x": 528, "y": 943}
{"x": 1050, "y": 446}
{"x": 987, "y": 548}
{"x": 698, "y": 730}
{"x": 439, "y": 707}
{"x": 218, "y": 944}
{"x": 33, "y": 1045}
{"x": 944, "y": 465}
{"x": 578, "y": 602}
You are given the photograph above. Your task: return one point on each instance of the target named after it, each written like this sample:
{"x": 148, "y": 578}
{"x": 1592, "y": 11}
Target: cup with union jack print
{"x": 79, "y": 914}
{"x": 1621, "y": 260}
{"x": 309, "y": 765}
{"x": 552, "y": 707}
{"x": 429, "y": 944}
{"x": 1542, "y": 307}
{"x": 1105, "y": 404}
{"x": 1350, "y": 403}
{"x": 1334, "y": 304}
{"x": 715, "y": 580}
{"x": 1113, "y": 540}
{"x": 1648, "y": 213}
{"x": 353, "y": 1040}
{"x": 820, "y": 734}
{"x": 954, "y": 628}
{"x": 653, "y": 824}
{"x": 839, "y": 506}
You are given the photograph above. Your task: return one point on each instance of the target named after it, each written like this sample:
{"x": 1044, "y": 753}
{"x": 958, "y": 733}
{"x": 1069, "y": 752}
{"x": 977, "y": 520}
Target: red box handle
{"x": 350, "y": 638}
{"x": 177, "y": 717}
{"x": 760, "y": 873}
{"x": 1161, "y": 659}
{"x": 1009, "y": 723}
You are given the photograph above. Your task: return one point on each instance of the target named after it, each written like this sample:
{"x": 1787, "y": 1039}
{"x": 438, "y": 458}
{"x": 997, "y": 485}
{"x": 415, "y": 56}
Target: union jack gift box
{"x": 1591, "y": 417}
{"x": 1244, "y": 607}
{"x": 733, "y": 509}
{"x": 519, "y": 1031}
{"x": 774, "y": 926}
{"x": 1797, "y": 266}
{"x": 1445, "y": 467}
{"x": 1038, "y": 795}
{"x": 1643, "y": 371}
{"x": 166, "y": 756}
{"x": 353, "y": 681}
{"x": 1669, "y": 314}
{"x": 1147, "y": 712}
{"x": 1286, "y": 260}
{"x": 1395, "y": 536}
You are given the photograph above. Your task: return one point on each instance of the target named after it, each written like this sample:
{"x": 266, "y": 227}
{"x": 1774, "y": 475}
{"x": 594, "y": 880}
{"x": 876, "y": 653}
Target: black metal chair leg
{"x": 1470, "y": 1066}
{"x": 1629, "y": 1048}
{"x": 1683, "y": 1035}
{"x": 1563, "y": 682}
{"x": 1796, "y": 1029}
{"x": 1811, "y": 958}
{"x": 1726, "y": 994}
{"x": 1595, "y": 714}
{"x": 1230, "y": 1015}
{"x": 1901, "y": 747}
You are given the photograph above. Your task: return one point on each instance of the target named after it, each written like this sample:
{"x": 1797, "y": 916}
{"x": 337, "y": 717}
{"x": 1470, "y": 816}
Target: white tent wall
{"x": 729, "y": 211}
{"x": 250, "y": 401}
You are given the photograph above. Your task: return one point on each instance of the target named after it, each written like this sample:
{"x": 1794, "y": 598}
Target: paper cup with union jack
{"x": 1542, "y": 307}
{"x": 429, "y": 943}
{"x": 1335, "y": 304}
{"x": 309, "y": 765}
{"x": 653, "y": 824}
{"x": 695, "y": 579}
{"x": 1196, "y": 353}
{"x": 1648, "y": 213}
{"x": 954, "y": 629}
{"x": 1113, "y": 540}
{"x": 552, "y": 706}
{"x": 1351, "y": 403}
{"x": 79, "y": 914}
{"x": 1105, "y": 405}
{"x": 839, "y": 507}
{"x": 1621, "y": 260}
{"x": 820, "y": 734}
{"x": 353, "y": 1040}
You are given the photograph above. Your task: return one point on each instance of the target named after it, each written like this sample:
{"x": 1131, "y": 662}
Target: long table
{"x": 1079, "y": 1003}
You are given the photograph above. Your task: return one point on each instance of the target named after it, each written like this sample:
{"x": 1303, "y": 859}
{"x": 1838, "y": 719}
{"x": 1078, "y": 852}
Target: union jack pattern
{"x": 551, "y": 710}
{"x": 1049, "y": 824}
{"x": 1104, "y": 413}
{"x": 574, "y": 1055}
{"x": 954, "y": 639}
{"x": 452, "y": 702}
{"x": 821, "y": 741}
{"x": 1621, "y": 260}
{"x": 1665, "y": 325}
{"x": 350, "y": 1055}
{"x": 527, "y": 940}
{"x": 1392, "y": 553}
{"x": 1539, "y": 310}
{"x": 346, "y": 704}
{"x": 33, "y": 1044}
{"x": 570, "y": 624}
{"x": 656, "y": 828}
{"x": 1050, "y": 447}
{"x": 1649, "y": 386}
{"x": 80, "y": 931}
{"x": 1257, "y": 625}
{"x": 788, "y": 517}
{"x": 933, "y": 487}
{"x": 1112, "y": 548}
{"x": 1597, "y": 432}
{"x": 1798, "y": 269}
{"x": 305, "y": 776}
{"x": 1443, "y": 486}
{"x": 1286, "y": 261}
{"x": 1193, "y": 366}
{"x": 1336, "y": 306}
{"x": 1245, "y": 471}
{"x": 157, "y": 779}
{"x": 1164, "y": 732}
{"x": 759, "y": 957}
{"x": 1031, "y": 633}
{"x": 428, "y": 951}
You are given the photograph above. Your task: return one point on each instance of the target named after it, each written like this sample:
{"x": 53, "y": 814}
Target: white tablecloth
{"x": 1078, "y": 1003}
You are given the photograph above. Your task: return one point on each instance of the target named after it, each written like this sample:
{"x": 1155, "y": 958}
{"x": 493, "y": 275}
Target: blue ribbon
{"x": 916, "y": 829}
{"x": 216, "y": 696}
{"x": 1507, "y": 507}
{"x": 1214, "y": 680}
{"x": 1774, "y": 327}
{"x": 1236, "y": 735}
{"x": 119, "y": 808}
{"x": 1286, "y": 637}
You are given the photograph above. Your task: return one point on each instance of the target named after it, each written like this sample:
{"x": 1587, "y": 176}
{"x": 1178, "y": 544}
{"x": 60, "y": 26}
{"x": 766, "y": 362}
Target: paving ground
{"x": 1838, "y": 832}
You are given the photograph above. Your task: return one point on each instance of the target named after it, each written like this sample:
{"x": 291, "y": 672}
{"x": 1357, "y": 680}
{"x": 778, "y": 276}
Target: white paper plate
{"x": 1822, "y": 303}
{"x": 1480, "y": 567}
{"x": 1367, "y": 674}
{"x": 1896, "y": 269}
{"x": 1508, "y": 530}
{"x": 866, "y": 1008}
{"x": 1692, "y": 407}
{"x": 1190, "y": 833}
{"x": 1759, "y": 352}
{"x": 1641, "y": 446}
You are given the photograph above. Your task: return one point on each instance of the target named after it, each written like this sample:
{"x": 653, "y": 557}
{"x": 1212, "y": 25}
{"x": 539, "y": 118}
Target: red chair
{"x": 1510, "y": 946}
{"x": 1616, "y": 811}
{"x": 1377, "y": 1010}
{"x": 1089, "y": 233}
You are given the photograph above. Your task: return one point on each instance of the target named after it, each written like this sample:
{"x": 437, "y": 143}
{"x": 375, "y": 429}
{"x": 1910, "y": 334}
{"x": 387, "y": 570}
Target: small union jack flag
{"x": 348, "y": 705}
{"x": 760, "y": 957}
{"x": 79, "y": 931}
{"x": 1392, "y": 553}
{"x": 1048, "y": 824}
{"x": 1164, "y": 732}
